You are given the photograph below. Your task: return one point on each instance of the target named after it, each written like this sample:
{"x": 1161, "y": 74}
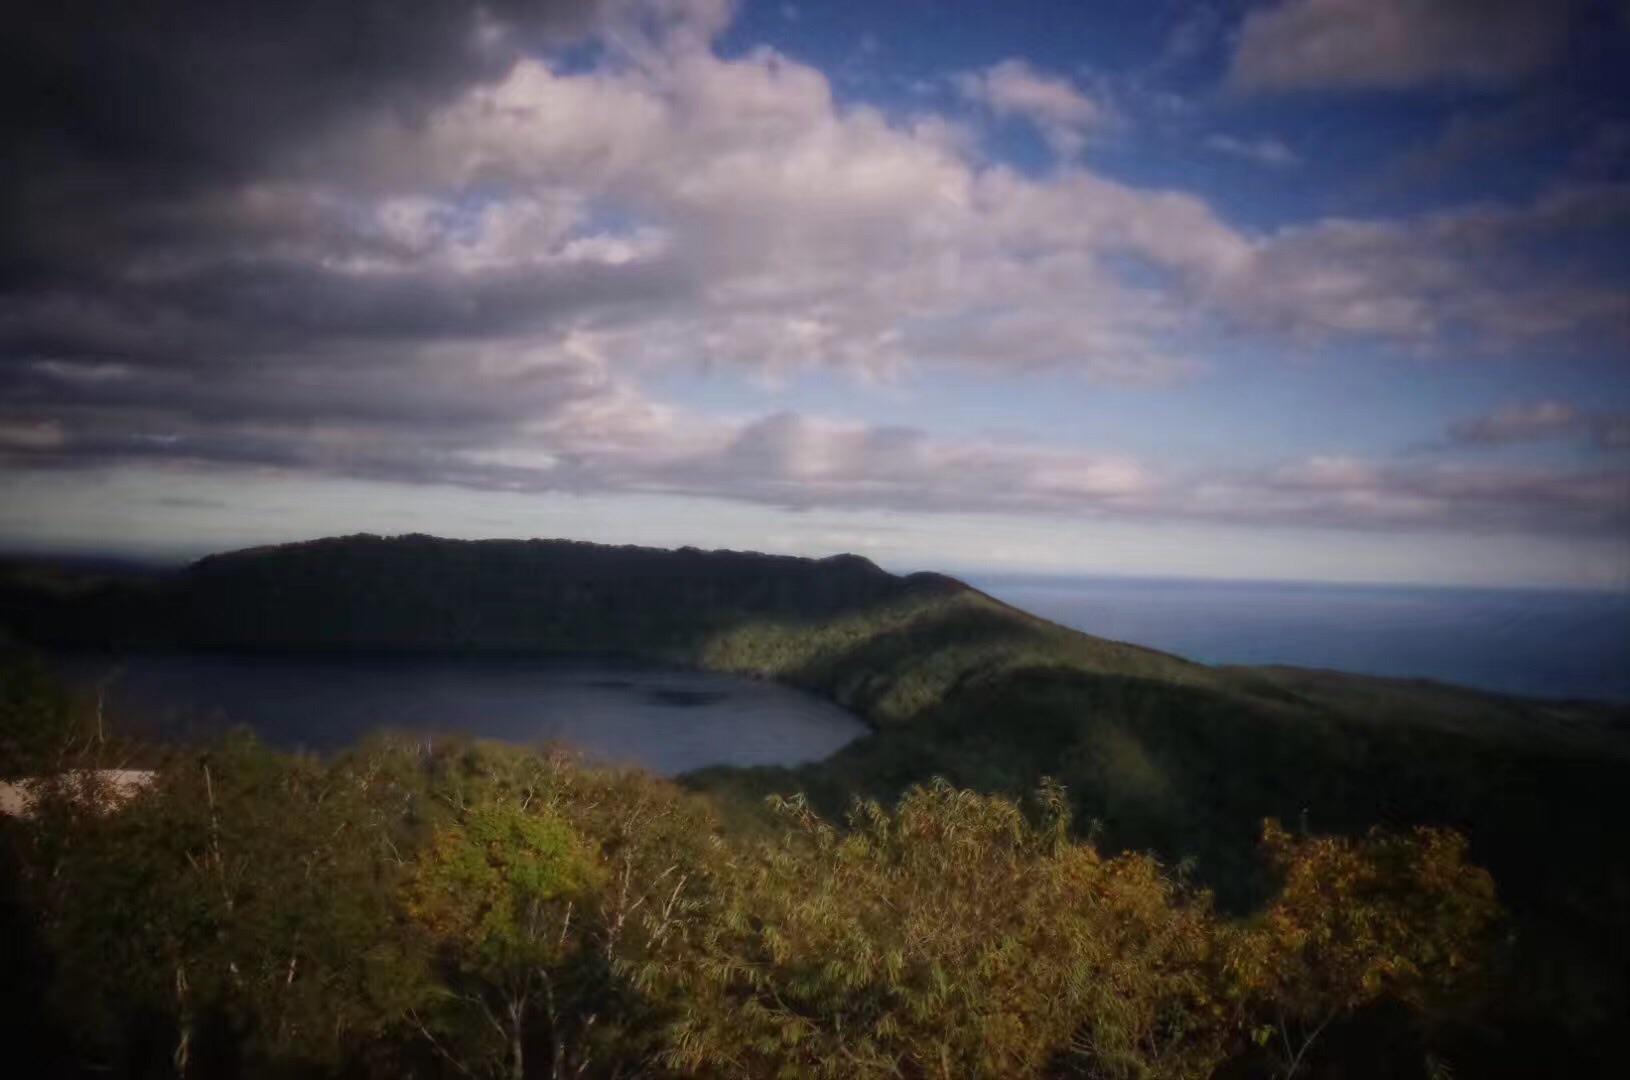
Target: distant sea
{"x": 1530, "y": 642}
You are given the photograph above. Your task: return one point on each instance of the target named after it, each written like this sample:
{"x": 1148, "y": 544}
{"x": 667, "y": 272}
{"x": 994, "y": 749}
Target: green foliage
{"x": 479, "y": 910}
{"x": 1351, "y": 919}
{"x": 1405, "y": 916}
{"x": 36, "y": 727}
{"x": 239, "y": 893}
{"x": 1188, "y": 772}
{"x": 950, "y": 938}
{"x": 495, "y": 894}
{"x": 486, "y": 883}
{"x": 548, "y": 899}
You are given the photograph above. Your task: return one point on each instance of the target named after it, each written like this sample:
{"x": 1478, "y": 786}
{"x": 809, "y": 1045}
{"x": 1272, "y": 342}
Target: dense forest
{"x": 467, "y": 909}
{"x": 1050, "y": 857}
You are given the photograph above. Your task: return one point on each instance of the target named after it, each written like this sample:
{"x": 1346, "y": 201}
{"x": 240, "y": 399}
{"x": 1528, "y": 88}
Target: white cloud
{"x": 1396, "y": 44}
{"x": 1264, "y": 150}
{"x": 818, "y": 235}
{"x": 796, "y": 461}
{"x": 1539, "y": 421}
{"x": 1475, "y": 276}
{"x": 476, "y": 294}
{"x": 1355, "y": 493}
{"x": 1063, "y": 115}
{"x": 1527, "y": 422}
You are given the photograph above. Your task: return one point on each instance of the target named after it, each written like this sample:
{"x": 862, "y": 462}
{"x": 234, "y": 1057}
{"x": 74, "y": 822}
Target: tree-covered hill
{"x": 1159, "y": 753}
{"x": 420, "y": 593}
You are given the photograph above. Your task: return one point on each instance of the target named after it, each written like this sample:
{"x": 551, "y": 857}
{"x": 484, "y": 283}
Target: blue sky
{"x": 1302, "y": 289}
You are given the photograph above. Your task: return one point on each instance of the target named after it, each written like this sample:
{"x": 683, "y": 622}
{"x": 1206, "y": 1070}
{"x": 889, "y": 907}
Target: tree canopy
{"x": 476, "y": 910}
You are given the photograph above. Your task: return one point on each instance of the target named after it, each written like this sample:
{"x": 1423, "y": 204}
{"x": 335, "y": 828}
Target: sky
{"x": 1329, "y": 290}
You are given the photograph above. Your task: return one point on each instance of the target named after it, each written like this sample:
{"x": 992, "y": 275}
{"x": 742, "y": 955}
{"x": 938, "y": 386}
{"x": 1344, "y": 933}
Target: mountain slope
{"x": 1162, "y": 753}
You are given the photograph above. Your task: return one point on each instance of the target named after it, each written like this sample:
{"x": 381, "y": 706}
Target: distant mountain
{"x": 1162, "y": 753}
{"x": 420, "y": 593}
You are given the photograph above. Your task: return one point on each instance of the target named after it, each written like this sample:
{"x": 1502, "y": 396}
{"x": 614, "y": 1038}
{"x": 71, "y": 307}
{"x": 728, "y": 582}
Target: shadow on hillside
{"x": 1190, "y": 773}
{"x": 1186, "y": 771}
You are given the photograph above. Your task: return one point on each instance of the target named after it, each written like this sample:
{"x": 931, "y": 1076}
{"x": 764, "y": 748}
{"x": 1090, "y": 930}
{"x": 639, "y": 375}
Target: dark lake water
{"x": 666, "y": 721}
{"x": 1538, "y": 643}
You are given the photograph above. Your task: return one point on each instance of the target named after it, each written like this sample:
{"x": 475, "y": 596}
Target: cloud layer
{"x": 1063, "y": 115}
{"x": 1263, "y": 150}
{"x": 1542, "y": 421}
{"x": 420, "y": 243}
{"x": 1397, "y": 44}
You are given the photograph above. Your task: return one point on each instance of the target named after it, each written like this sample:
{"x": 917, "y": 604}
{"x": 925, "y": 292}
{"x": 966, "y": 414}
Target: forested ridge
{"x": 1142, "y": 866}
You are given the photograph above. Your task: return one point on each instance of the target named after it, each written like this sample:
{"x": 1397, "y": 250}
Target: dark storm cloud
{"x": 1399, "y": 44}
{"x": 113, "y": 110}
{"x": 418, "y": 390}
{"x": 252, "y": 307}
{"x": 166, "y": 292}
{"x": 180, "y": 91}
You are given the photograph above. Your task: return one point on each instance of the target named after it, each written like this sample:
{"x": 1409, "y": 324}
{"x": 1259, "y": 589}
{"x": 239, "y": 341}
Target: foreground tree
{"x": 239, "y": 898}
{"x": 1407, "y": 917}
{"x": 950, "y": 938}
{"x": 549, "y": 901}
{"x": 36, "y": 724}
{"x": 496, "y": 892}
{"x": 470, "y": 909}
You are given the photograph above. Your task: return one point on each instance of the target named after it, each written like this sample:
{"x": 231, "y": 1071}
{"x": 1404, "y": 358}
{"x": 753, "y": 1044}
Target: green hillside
{"x": 1158, "y": 754}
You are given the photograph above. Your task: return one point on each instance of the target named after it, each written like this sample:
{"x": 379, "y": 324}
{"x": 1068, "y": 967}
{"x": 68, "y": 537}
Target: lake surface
{"x": 1538, "y": 643}
{"x": 666, "y": 721}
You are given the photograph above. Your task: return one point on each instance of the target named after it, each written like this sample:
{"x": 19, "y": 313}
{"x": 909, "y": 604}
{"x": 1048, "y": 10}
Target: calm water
{"x": 1548, "y": 644}
{"x": 668, "y": 722}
